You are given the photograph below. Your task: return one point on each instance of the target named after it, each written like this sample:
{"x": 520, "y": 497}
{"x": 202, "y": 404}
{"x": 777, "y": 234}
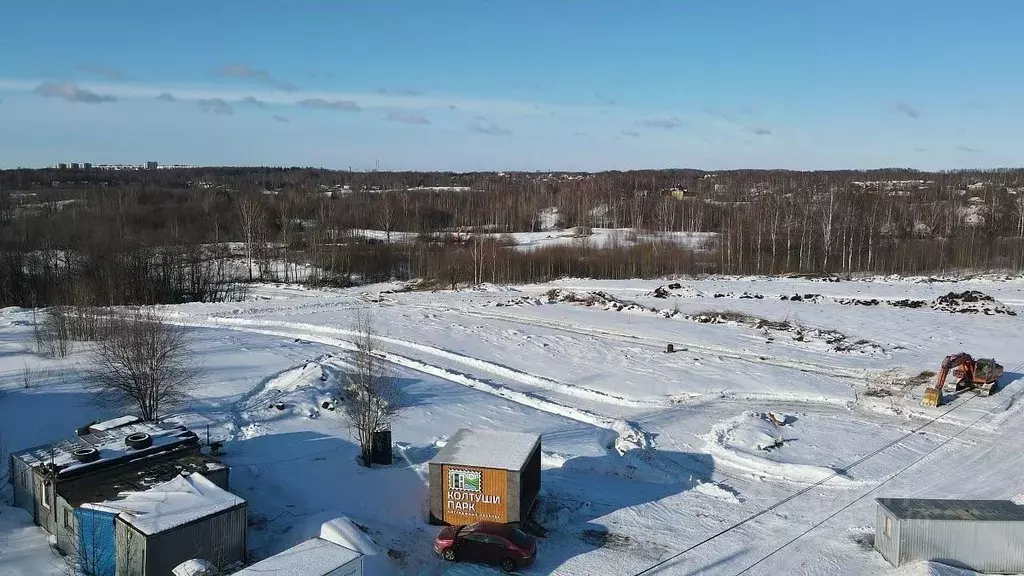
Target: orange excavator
{"x": 981, "y": 375}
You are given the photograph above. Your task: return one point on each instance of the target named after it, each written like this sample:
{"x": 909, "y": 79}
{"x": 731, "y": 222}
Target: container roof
{"x": 109, "y": 439}
{"x": 945, "y": 509}
{"x": 174, "y": 503}
{"x": 147, "y": 474}
{"x": 487, "y": 449}
{"x": 314, "y": 557}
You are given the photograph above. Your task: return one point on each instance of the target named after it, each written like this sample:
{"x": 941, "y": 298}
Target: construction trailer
{"x": 982, "y": 535}
{"x": 314, "y": 557}
{"x": 103, "y": 460}
{"x": 485, "y": 475}
{"x": 150, "y": 533}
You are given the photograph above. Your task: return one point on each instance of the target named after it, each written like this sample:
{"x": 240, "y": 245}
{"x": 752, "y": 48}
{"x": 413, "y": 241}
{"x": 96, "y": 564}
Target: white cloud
{"x": 71, "y": 92}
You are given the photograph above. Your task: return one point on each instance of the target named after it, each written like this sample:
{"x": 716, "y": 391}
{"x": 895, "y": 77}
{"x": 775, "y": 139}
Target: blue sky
{"x": 524, "y": 84}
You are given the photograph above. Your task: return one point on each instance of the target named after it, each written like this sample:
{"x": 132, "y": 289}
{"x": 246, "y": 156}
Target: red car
{"x": 488, "y": 543}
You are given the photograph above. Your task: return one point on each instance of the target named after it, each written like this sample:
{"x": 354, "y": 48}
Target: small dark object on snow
{"x": 670, "y": 349}
{"x": 323, "y": 377}
{"x": 215, "y": 448}
{"x": 675, "y": 286}
{"x": 905, "y": 303}
{"x": 139, "y": 440}
{"x": 280, "y": 406}
{"x": 380, "y": 450}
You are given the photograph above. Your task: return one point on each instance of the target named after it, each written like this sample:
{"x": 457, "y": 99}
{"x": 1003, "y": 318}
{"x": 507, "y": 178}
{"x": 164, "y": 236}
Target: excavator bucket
{"x": 932, "y": 397}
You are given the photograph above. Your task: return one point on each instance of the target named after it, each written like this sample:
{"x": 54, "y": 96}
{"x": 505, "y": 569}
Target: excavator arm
{"x": 952, "y": 362}
{"x": 933, "y": 396}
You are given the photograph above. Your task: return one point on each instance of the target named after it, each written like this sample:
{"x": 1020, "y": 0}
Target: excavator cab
{"x": 986, "y": 375}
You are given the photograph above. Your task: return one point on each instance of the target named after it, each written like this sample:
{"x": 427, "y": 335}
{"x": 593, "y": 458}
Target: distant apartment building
{"x": 152, "y": 165}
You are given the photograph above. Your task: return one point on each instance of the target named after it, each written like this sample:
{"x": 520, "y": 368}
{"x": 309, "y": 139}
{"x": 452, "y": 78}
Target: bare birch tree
{"x": 143, "y": 363}
{"x": 371, "y": 395}
{"x": 250, "y": 217}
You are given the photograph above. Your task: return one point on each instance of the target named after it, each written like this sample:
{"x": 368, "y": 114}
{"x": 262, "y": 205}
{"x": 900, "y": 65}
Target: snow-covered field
{"x": 645, "y": 453}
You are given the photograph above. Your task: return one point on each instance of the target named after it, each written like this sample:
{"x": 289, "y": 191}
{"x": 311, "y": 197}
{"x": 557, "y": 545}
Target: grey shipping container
{"x": 981, "y": 535}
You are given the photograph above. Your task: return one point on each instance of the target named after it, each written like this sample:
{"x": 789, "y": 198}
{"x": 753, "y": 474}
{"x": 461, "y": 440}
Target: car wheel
{"x": 448, "y": 554}
{"x": 508, "y": 565}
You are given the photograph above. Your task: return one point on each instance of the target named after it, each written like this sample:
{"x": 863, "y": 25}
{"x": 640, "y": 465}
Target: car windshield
{"x": 520, "y": 538}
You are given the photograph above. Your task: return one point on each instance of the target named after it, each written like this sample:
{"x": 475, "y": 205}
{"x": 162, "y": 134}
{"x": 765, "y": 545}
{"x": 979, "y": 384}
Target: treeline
{"x": 152, "y": 236}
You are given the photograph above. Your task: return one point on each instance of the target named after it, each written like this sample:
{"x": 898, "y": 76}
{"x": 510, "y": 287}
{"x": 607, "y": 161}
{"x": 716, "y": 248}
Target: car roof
{"x": 495, "y": 528}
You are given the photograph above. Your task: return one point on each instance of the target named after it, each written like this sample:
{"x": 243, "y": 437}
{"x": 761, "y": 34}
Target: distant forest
{"x": 103, "y": 237}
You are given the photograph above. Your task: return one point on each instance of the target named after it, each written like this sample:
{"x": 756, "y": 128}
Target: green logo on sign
{"x": 464, "y": 480}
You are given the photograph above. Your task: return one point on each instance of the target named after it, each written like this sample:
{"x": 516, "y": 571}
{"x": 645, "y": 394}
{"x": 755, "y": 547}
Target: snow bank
{"x": 171, "y": 504}
{"x": 746, "y": 441}
{"x": 715, "y": 490}
{"x": 344, "y": 532}
{"x": 24, "y": 547}
{"x": 194, "y": 567}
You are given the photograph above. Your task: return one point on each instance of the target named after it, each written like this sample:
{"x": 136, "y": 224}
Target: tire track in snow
{"x": 804, "y": 366}
{"x": 484, "y": 365}
{"x": 623, "y": 431}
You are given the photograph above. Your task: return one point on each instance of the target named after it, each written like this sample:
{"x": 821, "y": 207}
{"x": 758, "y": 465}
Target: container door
{"x": 96, "y": 547}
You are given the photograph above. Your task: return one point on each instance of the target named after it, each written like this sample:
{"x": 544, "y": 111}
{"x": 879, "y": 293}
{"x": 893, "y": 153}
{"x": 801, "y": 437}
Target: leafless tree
{"x": 250, "y": 217}
{"x": 28, "y": 376}
{"x": 54, "y": 335}
{"x": 385, "y": 214}
{"x": 371, "y": 395}
{"x": 143, "y": 363}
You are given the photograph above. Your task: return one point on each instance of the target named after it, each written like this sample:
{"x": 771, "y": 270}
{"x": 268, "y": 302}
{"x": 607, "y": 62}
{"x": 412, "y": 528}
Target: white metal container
{"x": 981, "y": 535}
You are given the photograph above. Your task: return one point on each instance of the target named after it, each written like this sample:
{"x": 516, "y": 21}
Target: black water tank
{"x": 380, "y": 450}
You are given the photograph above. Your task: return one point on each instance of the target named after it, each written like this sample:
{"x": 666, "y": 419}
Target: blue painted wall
{"x": 97, "y": 547}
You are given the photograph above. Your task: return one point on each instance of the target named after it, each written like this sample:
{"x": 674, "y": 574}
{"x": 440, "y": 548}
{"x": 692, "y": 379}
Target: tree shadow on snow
{"x": 585, "y": 489}
{"x": 31, "y": 417}
{"x": 294, "y": 481}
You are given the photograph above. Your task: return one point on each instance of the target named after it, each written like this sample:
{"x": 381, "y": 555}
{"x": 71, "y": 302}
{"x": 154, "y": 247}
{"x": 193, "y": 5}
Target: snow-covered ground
{"x": 645, "y": 452}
